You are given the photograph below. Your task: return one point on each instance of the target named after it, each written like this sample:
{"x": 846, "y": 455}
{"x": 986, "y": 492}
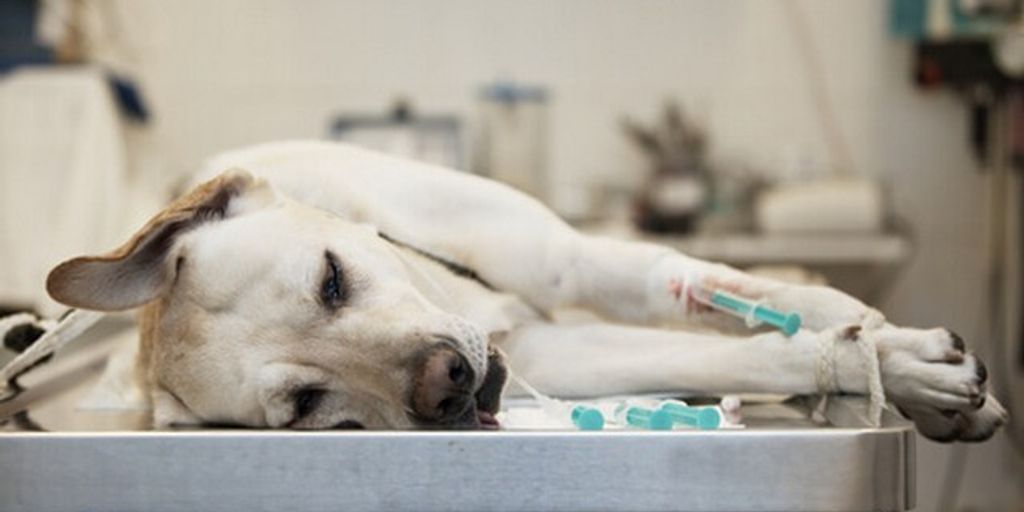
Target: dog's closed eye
{"x": 349, "y": 425}
{"x": 332, "y": 289}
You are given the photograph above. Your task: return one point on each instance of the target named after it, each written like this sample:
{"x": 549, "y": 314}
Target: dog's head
{"x": 262, "y": 311}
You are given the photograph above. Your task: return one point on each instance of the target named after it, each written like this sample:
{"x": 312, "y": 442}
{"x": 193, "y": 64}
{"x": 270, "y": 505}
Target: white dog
{"x": 316, "y": 285}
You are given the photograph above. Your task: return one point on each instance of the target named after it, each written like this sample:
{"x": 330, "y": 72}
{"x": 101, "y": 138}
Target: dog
{"x": 315, "y": 285}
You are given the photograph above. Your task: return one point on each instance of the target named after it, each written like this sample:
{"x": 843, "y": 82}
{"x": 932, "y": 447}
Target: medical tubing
{"x": 582, "y": 416}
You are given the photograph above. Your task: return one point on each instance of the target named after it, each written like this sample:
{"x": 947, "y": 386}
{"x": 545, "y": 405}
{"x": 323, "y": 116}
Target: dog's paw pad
{"x": 947, "y": 426}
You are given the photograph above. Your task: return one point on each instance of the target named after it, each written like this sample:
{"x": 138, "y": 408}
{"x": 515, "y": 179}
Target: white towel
{"x": 63, "y": 190}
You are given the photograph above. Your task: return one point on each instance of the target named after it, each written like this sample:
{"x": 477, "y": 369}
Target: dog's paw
{"x": 934, "y": 381}
{"x": 951, "y": 425}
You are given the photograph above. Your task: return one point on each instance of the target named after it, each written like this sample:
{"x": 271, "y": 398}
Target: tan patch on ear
{"x": 149, "y": 321}
{"x": 81, "y": 282}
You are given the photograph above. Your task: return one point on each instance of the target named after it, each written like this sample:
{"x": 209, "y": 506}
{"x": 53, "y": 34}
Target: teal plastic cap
{"x": 660, "y": 420}
{"x": 708, "y": 418}
{"x": 587, "y": 418}
{"x": 791, "y": 324}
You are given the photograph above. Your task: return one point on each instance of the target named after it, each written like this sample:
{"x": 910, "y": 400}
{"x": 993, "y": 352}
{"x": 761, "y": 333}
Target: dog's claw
{"x": 950, "y": 425}
{"x": 958, "y": 342}
{"x": 981, "y": 371}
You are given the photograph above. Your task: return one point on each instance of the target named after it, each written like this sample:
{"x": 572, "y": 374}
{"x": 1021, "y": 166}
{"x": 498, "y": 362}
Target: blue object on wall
{"x": 17, "y": 44}
{"x": 129, "y": 98}
{"x": 907, "y": 18}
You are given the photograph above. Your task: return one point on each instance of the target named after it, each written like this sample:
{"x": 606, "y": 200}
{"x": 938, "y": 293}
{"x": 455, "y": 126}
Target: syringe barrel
{"x": 788, "y": 323}
{"x": 722, "y": 301}
{"x": 730, "y": 302}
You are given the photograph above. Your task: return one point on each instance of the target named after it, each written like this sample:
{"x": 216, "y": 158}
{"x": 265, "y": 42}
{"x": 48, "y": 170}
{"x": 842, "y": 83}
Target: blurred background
{"x": 874, "y": 145}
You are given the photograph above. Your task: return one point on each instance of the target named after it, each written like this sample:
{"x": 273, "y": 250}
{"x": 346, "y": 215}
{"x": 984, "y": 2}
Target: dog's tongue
{"x": 487, "y": 420}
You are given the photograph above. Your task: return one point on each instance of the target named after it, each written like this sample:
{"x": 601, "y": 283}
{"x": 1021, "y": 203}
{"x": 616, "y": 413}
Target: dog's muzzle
{"x": 447, "y": 393}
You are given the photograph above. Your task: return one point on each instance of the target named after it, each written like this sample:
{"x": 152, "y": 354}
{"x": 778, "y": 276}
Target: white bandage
{"x": 826, "y": 373}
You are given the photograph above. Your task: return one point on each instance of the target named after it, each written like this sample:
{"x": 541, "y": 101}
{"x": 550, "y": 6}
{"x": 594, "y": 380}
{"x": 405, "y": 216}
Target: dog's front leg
{"x": 646, "y": 283}
{"x": 926, "y": 373}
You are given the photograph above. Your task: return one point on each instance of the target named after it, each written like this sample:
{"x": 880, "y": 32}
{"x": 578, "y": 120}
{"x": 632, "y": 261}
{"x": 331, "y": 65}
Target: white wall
{"x": 232, "y": 72}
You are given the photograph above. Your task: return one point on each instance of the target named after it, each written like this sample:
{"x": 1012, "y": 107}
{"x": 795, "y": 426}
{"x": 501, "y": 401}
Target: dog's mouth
{"x": 488, "y": 397}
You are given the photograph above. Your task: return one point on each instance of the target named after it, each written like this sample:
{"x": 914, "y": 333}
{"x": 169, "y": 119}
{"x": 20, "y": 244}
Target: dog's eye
{"x": 306, "y": 401}
{"x": 332, "y": 289}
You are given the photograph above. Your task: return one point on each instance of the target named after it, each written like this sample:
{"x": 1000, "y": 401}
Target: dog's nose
{"x": 442, "y": 389}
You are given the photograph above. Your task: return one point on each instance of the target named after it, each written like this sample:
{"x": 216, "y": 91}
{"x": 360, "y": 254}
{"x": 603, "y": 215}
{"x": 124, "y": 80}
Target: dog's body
{"x": 323, "y": 285}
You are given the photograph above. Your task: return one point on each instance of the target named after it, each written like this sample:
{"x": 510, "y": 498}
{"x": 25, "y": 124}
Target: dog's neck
{"x": 453, "y": 267}
{"x": 459, "y": 291}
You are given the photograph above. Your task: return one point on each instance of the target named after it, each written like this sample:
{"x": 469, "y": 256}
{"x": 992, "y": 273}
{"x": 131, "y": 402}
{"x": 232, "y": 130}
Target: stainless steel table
{"x": 54, "y": 458}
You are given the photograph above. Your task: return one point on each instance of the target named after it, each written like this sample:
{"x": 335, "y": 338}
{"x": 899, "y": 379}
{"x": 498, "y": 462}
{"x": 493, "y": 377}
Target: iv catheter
{"x": 752, "y": 311}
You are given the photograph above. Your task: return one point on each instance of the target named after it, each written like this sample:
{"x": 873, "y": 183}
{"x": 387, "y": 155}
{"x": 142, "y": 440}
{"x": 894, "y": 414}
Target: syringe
{"x": 704, "y": 418}
{"x": 752, "y": 311}
{"x": 642, "y": 417}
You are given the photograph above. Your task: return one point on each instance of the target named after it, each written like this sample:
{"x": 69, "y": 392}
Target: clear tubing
{"x": 582, "y": 416}
{"x": 753, "y": 312}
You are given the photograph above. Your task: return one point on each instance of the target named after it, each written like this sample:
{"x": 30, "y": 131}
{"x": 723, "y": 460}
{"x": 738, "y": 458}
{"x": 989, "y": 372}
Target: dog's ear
{"x": 142, "y": 269}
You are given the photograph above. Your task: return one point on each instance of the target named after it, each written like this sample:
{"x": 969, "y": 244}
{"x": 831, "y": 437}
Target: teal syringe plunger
{"x": 753, "y": 312}
{"x": 704, "y": 418}
{"x": 642, "y": 417}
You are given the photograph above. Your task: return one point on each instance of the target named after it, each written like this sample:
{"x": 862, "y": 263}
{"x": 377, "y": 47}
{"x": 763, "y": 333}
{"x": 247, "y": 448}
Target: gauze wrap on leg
{"x": 863, "y": 337}
{"x": 873, "y": 320}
